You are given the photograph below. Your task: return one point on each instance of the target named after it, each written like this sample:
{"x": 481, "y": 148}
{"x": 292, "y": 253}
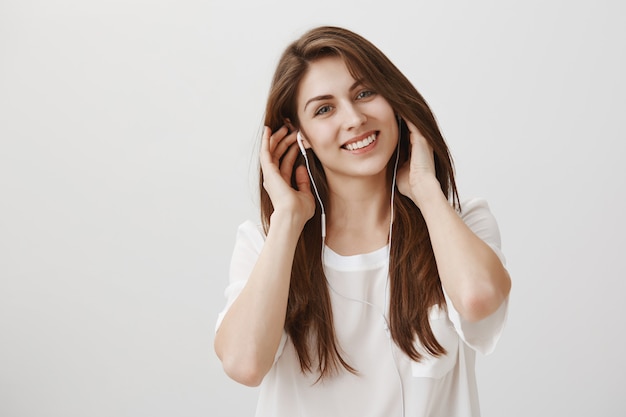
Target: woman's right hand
{"x": 279, "y": 151}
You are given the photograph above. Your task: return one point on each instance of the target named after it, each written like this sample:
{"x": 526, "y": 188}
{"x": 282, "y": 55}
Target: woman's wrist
{"x": 287, "y": 222}
{"x": 427, "y": 193}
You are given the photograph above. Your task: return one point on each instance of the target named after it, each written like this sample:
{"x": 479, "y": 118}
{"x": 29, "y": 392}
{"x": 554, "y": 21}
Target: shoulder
{"x": 477, "y": 215}
{"x": 252, "y": 232}
{"x": 248, "y": 242}
{"x": 473, "y": 206}
{"x": 251, "y": 229}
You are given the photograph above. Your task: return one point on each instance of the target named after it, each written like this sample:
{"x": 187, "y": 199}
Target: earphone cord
{"x": 393, "y": 191}
{"x": 317, "y": 194}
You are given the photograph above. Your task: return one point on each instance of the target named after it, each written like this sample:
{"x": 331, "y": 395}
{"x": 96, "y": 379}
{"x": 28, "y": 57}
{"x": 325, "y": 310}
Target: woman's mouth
{"x": 360, "y": 144}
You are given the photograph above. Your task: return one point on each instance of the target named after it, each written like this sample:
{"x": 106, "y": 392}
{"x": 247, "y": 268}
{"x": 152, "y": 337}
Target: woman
{"x": 368, "y": 288}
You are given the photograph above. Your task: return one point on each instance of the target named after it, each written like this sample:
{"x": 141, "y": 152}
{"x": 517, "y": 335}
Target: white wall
{"x": 127, "y": 139}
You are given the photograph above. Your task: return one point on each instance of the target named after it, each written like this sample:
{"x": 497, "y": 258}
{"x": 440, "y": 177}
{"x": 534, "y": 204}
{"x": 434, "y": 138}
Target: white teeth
{"x": 362, "y": 143}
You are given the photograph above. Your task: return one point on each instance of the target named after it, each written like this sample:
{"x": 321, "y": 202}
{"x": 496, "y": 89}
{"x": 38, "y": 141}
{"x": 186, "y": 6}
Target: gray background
{"x": 128, "y": 136}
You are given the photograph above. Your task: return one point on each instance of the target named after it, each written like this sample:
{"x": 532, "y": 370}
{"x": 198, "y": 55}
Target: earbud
{"x": 300, "y": 143}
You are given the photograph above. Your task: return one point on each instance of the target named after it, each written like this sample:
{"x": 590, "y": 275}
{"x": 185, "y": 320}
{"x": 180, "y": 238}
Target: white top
{"x": 388, "y": 383}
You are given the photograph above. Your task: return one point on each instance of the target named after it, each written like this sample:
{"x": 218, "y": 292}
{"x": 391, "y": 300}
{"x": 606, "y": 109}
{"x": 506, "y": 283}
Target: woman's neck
{"x": 359, "y": 215}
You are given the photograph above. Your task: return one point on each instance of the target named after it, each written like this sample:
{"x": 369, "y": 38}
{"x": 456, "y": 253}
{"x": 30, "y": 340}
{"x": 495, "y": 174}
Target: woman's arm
{"x": 471, "y": 273}
{"x": 249, "y": 335}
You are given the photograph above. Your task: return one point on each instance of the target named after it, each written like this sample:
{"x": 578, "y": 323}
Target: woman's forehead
{"x": 325, "y": 76}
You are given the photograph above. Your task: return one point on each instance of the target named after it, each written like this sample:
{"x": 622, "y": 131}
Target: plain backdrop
{"x": 128, "y": 139}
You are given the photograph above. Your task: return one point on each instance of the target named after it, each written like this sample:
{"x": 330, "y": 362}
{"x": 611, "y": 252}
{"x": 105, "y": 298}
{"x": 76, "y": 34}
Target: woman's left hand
{"x": 416, "y": 177}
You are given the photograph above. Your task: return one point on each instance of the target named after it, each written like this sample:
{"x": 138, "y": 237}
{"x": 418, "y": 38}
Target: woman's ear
{"x": 302, "y": 138}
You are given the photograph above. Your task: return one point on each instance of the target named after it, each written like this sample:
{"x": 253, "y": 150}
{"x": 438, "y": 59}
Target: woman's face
{"x": 352, "y": 129}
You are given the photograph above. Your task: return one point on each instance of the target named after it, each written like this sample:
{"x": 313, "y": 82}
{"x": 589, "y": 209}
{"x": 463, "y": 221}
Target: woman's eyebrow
{"x": 318, "y": 98}
{"x": 356, "y": 84}
{"x": 329, "y": 96}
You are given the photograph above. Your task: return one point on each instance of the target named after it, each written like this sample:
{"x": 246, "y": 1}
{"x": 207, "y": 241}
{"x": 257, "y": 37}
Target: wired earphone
{"x": 300, "y": 141}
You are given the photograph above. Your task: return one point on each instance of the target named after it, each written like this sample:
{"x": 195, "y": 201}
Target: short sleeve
{"x": 483, "y": 335}
{"x": 248, "y": 244}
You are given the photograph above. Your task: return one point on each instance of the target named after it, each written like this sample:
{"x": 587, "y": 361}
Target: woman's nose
{"x": 354, "y": 117}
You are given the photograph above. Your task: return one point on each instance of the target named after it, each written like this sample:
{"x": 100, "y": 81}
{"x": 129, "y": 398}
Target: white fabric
{"x": 387, "y": 379}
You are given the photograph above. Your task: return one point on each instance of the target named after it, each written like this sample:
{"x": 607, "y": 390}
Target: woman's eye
{"x": 322, "y": 110}
{"x": 364, "y": 94}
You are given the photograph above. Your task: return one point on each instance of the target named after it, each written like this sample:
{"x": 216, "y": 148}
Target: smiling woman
{"x": 324, "y": 309}
{"x": 343, "y": 124}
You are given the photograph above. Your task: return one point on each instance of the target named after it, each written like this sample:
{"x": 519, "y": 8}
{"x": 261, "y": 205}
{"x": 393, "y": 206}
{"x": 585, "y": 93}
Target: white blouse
{"x": 388, "y": 382}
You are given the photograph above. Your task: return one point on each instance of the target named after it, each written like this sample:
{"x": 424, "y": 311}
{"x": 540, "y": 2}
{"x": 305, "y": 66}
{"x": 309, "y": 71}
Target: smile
{"x": 360, "y": 144}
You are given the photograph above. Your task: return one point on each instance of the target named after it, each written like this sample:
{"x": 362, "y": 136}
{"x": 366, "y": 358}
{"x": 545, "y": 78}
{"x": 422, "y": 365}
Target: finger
{"x": 276, "y": 138}
{"x": 418, "y": 141}
{"x": 269, "y": 165}
{"x": 285, "y": 143}
{"x": 414, "y": 132}
{"x": 302, "y": 179}
{"x": 264, "y": 154}
{"x": 288, "y": 161}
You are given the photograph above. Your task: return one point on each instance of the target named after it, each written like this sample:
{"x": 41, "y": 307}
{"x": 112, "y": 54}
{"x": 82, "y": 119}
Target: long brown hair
{"x": 414, "y": 280}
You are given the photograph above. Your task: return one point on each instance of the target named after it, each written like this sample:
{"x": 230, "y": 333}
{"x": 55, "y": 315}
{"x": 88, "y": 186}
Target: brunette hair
{"x": 414, "y": 280}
